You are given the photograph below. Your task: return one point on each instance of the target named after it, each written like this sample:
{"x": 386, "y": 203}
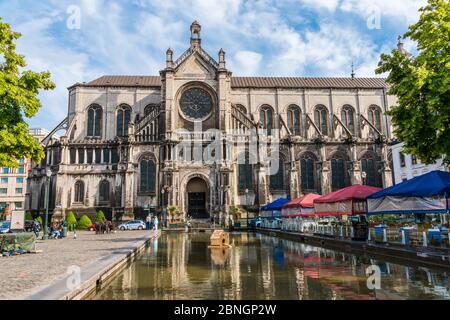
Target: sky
{"x": 81, "y": 40}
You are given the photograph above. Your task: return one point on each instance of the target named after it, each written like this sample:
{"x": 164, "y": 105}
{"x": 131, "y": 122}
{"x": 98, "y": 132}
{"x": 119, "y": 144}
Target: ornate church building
{"x": 200, "y": 139}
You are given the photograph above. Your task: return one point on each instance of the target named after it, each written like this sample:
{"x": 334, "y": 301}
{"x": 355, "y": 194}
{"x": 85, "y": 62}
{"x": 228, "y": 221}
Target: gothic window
{"x": 348, "y": 118}
{"x": 196, "y": 103}
{"x": 308, "y": 174}
{"x": 241, "y": 108}
{"x": 81, "y": 156}
{"x": 106, "y": 155}
{"x": 104, "y": 191}
{"x": 114, "y": 156}
{"x": 90, "y": 155}
{"x": 73, "y": 156}
{"x": 98, "y": 156}
{"x": 150, "y": 108}
{"x": 79, "y": 192}
{"x": 371, "y": 177}
{"x": 375, "y": 117}
{"x": 245, "y": 174}
{"x": 266, "y": 119}
{"x": 338, "y": 175}
{"x": 321, "y": 119}
{"x": 94, "y": 128}
{"x": 123, "y": 119}
{"x": 147, "y": 175}
{"x": 277, "y": 179}
{"x": 294, "y": 120}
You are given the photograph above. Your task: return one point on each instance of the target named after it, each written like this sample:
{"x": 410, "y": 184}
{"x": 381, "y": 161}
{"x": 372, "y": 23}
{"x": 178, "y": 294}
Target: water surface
{"x": 181, "y": 266}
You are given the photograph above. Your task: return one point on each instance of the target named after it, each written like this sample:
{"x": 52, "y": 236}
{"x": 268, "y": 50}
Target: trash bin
{"x": 64, "y": 232}
{"x": 379, "y": 232}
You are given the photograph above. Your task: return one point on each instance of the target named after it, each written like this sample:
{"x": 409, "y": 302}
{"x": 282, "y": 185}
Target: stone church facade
{"x": 203, "y": 140}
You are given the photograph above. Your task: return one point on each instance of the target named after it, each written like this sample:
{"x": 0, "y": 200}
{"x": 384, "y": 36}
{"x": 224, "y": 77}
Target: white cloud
{"x": 330, "y": 5}
{"x": 246, "y": 62}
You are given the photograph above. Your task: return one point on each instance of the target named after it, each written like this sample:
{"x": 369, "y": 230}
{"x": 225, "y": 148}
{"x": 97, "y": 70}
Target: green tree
{"x": 422, "y": 85}
{"x": 84, "y": 223}
{"x": 100, "y": 217}
{"x": 71, "y": 220}
{"x": 19, "y": 89}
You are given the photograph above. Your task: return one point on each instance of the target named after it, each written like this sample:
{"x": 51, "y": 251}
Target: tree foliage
{"x": 422, "y": 85}
{"x": 19, "y": 89}
{"x": 71, "y": 220}
{"x": 100, "y": 217}
{"x": 84, "y": 223}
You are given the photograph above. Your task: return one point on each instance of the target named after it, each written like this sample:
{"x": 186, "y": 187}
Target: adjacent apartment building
{"x": 13, "y": 180}
{"x": 408, "y": 166}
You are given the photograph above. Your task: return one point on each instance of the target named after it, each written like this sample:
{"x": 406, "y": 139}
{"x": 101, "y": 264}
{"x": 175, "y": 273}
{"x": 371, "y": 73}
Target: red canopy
{"x": 356, "y": 192}
{"x": 307, "y": 201}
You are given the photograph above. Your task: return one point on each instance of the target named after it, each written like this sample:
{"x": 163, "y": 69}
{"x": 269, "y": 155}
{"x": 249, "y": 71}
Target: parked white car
{"x": 132, "y": 225}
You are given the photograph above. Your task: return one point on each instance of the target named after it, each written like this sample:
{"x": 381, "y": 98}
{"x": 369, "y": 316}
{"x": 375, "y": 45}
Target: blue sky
{"x": 266, "y": 37}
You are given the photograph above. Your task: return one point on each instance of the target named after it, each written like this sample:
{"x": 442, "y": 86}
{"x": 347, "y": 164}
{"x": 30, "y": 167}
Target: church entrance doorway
{"x": 197, "y": 193}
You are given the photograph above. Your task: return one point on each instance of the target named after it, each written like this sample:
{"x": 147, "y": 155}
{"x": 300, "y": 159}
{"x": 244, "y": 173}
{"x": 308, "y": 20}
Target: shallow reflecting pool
{"x": 181, "y": 266}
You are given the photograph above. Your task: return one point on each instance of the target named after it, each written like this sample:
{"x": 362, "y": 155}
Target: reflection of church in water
{"x": 131, "y": 143}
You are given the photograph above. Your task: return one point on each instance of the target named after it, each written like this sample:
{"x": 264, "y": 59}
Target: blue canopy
{"x": 428, "y": 193}
{"x": 277, "y": 205}
{"x": 435, "y": 183}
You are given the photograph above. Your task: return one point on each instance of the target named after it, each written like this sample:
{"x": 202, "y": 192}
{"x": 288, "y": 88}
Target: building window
{"x": 338, "y": 176}
{"x": 21, "y": 170}
{"x": 150, "y": 108}
{"x": 375, "y": 117}
{"x": 148, "y": 175}
{"x": 98, "y": 156}
{"x": 277, "y": 179}
{"x": 245, "y": 174}
{"x": 19, "y": 190}
{"x": 18, "y": 205}
{"x": 402, "y": 160}
{"x": 73, "y": 156}
{"x": 19, "y": 180}
{"x": 81, "y": 156}
{"x": 94, "y": 121}
{"x": 294, "y": 120}
{"x": 104, "y": 191}
{"x": 105, "y": 155}
{"x": 123, "y": 119}
{"x": 321, "y": 119}
{"x": 3, "y": 190}
{"x": 114, "y": 156}
{"x": 413, "y": 159}
{"x": 348, "y": 118}
{"x": 4, "y": 180}
{"x": 266, "y": 119}
{"x": 368, "y": 166}
{"x": 5, "y": 170}
{"x": 3, "y": 205}
{"x": 21, "y": 161}
{"x": 79, "y": 191}
{"x": 307, "y": 171}
{"x": 90, "y": 155}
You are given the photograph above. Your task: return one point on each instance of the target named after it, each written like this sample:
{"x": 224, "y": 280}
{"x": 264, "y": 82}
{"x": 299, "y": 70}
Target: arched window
{"x": 294, "y": 120}
{"x": 150, "y": 108}
{"x": 94, "y": 128}
{"x": 321, "y": 119}
{"x": 348, "y": 118}
{"x": 338, "y": 173}
{"x": 266, "y": 119}
{"x": 375, "y": 117}
{"x": 123, "y": 119}
{"x": 241, "y": 108}
{"x": 308, "y": 174}
{"x": 245, "y": 173}
{"x": 104, "y": 191}
{"x": 277, "y": 179}
{"x": 368, "y": 167}
{"x": 79, "y": 192}
{"x": 147, "y": 175}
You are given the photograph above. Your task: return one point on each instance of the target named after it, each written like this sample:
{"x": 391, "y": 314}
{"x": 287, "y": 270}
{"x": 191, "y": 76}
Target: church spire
{"x": 196, "y": 40}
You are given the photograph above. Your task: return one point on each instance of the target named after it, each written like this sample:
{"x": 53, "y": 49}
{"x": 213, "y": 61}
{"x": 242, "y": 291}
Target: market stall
{"x": 424, "y": 198}
{"x": 271, "y": 213}
{"x": 297, "y": 213}
{"x": 336, "y": 207}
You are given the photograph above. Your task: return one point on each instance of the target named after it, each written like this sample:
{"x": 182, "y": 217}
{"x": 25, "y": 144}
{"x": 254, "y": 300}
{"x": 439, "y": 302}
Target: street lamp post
{"x": 162, "y": 207}
{"x": 48, "y": 174}
{"x": 246, "y": 205}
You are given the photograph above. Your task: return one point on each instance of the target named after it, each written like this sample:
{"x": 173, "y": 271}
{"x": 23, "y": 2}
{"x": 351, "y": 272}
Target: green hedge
{"x": 71, "y": 220}
{"x": 100, "y": 217}
{"x": 84, "y": 223}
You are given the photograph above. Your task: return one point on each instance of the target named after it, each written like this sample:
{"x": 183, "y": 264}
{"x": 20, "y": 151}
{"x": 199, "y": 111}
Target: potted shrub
{"x": 236, "y": 213}
{"x": 173, "y": 210}
{"x": 71, "y": 221}
{"x": 100, "y": 217}
{"x": 84, "y": 223}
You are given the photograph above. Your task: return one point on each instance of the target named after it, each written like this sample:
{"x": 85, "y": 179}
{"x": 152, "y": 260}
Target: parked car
{"x": 132, "y": 225}
{"x": 4, "y": 226}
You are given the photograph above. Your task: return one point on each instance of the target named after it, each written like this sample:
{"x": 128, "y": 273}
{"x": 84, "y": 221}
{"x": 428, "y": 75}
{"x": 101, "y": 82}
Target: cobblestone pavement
{"x": 25, "y": 274}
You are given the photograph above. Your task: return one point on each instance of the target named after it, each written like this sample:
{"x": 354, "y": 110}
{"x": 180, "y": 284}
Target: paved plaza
{"x": 26, "y": 274}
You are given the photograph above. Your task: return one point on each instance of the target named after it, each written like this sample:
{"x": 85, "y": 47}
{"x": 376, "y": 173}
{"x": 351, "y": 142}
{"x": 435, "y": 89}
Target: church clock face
{"x": 196, "y": 104}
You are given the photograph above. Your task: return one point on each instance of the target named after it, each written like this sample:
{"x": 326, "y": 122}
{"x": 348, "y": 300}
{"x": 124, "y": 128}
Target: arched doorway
{"x": 197, "y": 194}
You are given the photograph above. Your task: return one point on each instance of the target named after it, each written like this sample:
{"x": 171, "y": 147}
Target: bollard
{"x": 425, "y": 242}
{"x": 403, "y": 238}
{"x": 385, "y": 235}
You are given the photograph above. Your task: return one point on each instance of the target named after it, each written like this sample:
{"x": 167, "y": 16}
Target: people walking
{"x": 36, "y": 228}
{"x": 155, "y": 224}
{"x": 148, "y": 221}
